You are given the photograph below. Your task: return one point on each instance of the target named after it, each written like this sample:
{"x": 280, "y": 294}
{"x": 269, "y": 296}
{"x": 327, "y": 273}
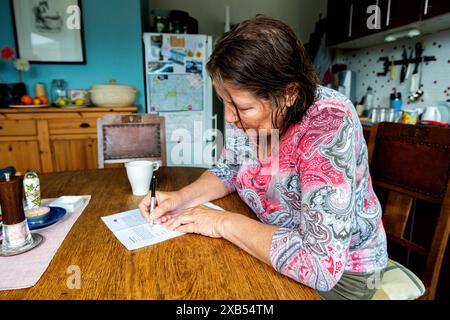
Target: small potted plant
{"x": 12, "y": 92}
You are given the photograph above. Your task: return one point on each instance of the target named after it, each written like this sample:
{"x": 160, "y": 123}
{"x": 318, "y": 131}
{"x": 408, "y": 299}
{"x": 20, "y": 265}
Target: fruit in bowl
{"x": 26, "y": 100}
{"x": 29, "y": 100}
{"x": 79, "y": 101}
{"x": 62, "y": 101}
{"x": 44, "y": 99}
{"x": 37, "y": 215}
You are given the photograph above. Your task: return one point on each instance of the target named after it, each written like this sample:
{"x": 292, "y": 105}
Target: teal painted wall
{"x": 113, "y": 45}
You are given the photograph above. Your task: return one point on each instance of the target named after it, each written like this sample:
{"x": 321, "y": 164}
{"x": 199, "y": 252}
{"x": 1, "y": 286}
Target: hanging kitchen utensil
{"x": 392, "y": 68}
{"x": 419, "y": 51}
{"x": 420, "y": 92}
{"x": 410, "y": 65}
{"x": 404, "y": 65}
{"x": 415, "y": 90}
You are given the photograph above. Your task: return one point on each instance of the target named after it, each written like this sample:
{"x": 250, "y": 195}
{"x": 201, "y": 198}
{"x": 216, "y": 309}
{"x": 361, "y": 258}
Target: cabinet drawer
{"x": 74, "y": 126}
{"x": 17, "y": 128}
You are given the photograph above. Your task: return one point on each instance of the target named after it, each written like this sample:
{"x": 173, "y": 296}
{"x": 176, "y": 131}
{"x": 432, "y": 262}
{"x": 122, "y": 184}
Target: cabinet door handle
{"x": 388, "y": 19}
{"x": 1, "y": 127}
{"x": 425, "y": 11}
{"x": 350, "y": 25}
{"x": 85, "y": 125}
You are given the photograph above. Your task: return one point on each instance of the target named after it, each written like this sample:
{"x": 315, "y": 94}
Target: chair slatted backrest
{"x": 123, "y": 138}
{"x": 413, "y": 162}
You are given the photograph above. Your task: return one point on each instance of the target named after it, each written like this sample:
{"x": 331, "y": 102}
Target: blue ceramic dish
{"x": 55, "y": 214}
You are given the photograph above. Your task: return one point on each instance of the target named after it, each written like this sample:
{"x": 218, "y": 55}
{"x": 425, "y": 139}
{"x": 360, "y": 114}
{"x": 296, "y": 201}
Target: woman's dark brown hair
{"x": 264, "y": 55}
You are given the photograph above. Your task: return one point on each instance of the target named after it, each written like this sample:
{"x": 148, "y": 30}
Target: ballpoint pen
{"x": 152, "y": 199}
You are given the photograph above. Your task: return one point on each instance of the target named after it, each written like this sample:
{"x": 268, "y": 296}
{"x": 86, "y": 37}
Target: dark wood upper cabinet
{"x": 369, "y": 17}
{"x": 433, "y": 8}
{"x": 400, "y": 12}
{"x": 339, "y": 17}
{"x": 347, "y": 20}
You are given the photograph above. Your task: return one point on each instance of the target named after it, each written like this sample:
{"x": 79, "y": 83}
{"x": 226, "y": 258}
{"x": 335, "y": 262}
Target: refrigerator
{"x": 179, "y": 89}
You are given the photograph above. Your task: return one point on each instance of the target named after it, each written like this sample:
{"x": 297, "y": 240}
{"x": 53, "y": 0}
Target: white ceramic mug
{"x": 140, "y": 174}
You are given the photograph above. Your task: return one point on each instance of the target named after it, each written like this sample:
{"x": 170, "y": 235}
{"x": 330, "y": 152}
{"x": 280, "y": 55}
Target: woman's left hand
{"x": 201, "y": 220}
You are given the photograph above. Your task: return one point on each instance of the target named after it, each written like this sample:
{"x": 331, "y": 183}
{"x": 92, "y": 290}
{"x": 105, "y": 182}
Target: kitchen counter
{"x": 367, "y": 127}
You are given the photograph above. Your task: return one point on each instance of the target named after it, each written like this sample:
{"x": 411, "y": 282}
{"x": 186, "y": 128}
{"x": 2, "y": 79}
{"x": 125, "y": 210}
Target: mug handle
{"x": 155, "y": 166}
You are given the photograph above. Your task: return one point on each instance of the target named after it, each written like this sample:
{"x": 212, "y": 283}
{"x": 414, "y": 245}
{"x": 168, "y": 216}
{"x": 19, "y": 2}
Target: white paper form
{"x": 134, "y": 232}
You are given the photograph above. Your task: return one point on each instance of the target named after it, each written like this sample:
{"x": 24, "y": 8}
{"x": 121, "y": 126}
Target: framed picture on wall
{"x": 49, "y": 31}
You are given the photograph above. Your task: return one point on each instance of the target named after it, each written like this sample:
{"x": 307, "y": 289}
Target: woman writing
{"x": 320, "y": 220}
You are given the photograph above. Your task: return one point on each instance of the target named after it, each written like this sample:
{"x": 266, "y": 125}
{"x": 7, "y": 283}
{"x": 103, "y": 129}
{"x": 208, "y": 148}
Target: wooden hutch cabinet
{"x": 51, "y": 139}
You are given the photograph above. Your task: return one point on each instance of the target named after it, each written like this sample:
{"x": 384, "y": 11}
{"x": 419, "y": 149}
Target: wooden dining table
{"x": 189, "y": 267}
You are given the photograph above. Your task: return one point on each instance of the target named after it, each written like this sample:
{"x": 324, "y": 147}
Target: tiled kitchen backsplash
{"x": 435, "y": 77}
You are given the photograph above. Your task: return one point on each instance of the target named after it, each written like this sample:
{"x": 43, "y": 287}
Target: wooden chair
{"x": 412, "y": 162}
{"x": 123, "y": 138}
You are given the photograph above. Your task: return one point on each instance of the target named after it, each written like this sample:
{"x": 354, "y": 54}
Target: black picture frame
{"x": 22, "y": 31}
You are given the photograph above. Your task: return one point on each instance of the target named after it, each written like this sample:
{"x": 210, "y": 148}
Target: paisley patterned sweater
{"x": 317, "y": 189}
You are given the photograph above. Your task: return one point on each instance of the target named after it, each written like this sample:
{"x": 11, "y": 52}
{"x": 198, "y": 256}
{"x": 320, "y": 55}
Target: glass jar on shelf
{"x": 161, "y": 24}
{"x": 59, "y": 92}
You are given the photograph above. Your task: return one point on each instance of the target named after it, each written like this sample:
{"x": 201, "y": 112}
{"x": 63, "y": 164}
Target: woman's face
{"x": 255, "y": 113}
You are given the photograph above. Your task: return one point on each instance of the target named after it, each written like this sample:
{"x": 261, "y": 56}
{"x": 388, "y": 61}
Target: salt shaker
{"x": 32, "y": 189}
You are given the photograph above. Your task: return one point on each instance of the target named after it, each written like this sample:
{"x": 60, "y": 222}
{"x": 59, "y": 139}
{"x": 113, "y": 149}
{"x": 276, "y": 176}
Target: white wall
{"x": 301, "y": 15}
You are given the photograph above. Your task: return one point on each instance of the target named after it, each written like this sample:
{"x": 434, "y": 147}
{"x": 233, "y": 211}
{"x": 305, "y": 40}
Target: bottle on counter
{"x": 39, "y": 90}
{"x": 360, "y": 107}
{"x": 396, "y": 100}
{"x": 369, "y": 100}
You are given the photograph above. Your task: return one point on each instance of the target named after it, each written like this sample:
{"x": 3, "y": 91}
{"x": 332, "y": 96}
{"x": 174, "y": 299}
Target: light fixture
{"x": 390, "y": 38}
{"x": 403, "y": 34}
{"x": 414, "y": 33}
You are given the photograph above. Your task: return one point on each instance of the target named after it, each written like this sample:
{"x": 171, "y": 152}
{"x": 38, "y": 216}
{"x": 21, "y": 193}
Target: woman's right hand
{"x": 166, "y": 204}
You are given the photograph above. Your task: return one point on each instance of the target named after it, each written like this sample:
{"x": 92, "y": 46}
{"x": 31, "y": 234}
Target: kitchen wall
{"x": 113, "y": 33}
{"x": 435, "y": 77}
{"x": 301, "y": 15}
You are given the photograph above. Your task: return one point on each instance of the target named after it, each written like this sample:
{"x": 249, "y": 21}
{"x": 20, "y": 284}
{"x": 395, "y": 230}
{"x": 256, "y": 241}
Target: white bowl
{"x": 112, "y": 95}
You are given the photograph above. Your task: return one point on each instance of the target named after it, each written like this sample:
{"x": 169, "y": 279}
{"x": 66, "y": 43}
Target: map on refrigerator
{"x": 175, "y": 92}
